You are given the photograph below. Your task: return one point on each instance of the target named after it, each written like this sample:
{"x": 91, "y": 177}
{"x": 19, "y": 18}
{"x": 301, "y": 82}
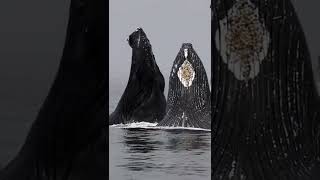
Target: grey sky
{"x": 167, "y": 23}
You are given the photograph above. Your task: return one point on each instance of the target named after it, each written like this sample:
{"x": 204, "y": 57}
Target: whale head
{"x": 188, "y": 74}
{"x": 188, "y": 102}
{"x": 138, "y": 39}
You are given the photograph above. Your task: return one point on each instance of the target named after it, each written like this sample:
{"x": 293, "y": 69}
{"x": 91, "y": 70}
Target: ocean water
{"x": 140, "y": 151}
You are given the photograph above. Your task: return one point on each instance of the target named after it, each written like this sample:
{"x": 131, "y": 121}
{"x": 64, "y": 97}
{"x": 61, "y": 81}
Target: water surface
{"x": 141, "y": 152}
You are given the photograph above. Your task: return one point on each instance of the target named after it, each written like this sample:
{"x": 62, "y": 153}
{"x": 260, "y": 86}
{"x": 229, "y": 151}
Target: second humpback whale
{"x": 188, "y": 102}
{"x": 143, "y": 99}
{"x": 265, "y": 106}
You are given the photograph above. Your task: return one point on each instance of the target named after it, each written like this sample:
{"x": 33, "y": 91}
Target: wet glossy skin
{"x": 67, "y": 139}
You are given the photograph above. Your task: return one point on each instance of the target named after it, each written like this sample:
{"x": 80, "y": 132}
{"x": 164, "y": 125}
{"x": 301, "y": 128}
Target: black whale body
{"x": 143, "y": 99}
{"x": 68, "y": 138}
{"x": 265, "y": 123}
{"x": 188, "y": 105}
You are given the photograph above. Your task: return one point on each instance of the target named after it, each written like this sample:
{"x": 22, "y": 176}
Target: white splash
{"x": 135, "y": 125}
{"x": 147, "y": 125}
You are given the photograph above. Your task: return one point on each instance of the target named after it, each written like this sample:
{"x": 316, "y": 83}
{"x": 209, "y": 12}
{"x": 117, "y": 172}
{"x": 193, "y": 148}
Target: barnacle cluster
{"x": 244, "y": 37}
{"x": 186, "y": 74}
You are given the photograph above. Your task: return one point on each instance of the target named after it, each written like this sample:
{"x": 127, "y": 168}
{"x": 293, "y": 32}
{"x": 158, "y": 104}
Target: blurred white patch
{"x": 186, "y": 74}
{"x": 233, "y": 169}
{"x": 186, "y": 53}
{"x": 139, "y": 40}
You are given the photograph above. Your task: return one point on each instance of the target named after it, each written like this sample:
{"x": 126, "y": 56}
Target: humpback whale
{"x": 265, "y": 106}
{"x": 68, "y": 138}
{"x": 143, "y": 99}
{"x": 188, "y": 102}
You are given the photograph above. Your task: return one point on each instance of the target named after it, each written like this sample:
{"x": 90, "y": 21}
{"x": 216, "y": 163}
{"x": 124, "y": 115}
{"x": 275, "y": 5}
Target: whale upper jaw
{"x": 187, "y": 49}
{"x": 138, "y": 39}
{"x": 186, "y": 46}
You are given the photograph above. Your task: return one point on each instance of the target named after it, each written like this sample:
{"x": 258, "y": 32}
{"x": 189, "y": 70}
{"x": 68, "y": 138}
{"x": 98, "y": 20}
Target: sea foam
{"x": 147, "y": 125}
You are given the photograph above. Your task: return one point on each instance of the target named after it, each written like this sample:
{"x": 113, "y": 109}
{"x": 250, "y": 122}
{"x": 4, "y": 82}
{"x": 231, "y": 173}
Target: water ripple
{"x": 137, "y": 152}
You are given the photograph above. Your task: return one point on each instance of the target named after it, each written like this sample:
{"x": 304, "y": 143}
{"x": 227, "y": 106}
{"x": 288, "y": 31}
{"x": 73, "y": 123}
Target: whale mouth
{"x": 138, "y": 39}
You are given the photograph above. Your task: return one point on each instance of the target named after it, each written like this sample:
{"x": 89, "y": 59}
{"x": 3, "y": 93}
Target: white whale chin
{"x": 233, "y": 57}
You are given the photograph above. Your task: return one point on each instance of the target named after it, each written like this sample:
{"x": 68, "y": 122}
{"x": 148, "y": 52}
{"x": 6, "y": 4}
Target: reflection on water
{"x": 157, "y": 153}
{"x": 139, "y": 141}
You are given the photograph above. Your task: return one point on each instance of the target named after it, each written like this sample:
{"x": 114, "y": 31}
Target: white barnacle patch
{"x": 183, "y": 119}
{"x": 233, "y": 169}
{"x": 174, "y": 70}
{"x": 185, "y": 53}
{"x": 186, "y": 74}
{"x": 243, "y": 40}
{"x": 138, "y": 28}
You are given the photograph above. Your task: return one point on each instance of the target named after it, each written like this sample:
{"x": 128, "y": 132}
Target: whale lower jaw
{"x": 186, "y": 119}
